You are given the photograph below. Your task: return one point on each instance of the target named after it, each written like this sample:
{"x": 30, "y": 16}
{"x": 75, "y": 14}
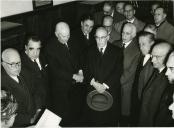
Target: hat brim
{"x": 99, "y": 101}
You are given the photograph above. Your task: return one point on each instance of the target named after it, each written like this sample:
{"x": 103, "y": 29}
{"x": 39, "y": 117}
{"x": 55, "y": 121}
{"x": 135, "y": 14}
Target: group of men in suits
{"x": 111, "y": 58}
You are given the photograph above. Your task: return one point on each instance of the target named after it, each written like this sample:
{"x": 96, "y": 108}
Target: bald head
{"x": 62, "y": 32}
{"x": 159, "y": 54}
{"x": 108, "y": 23}
{"x": 10, "y": 54}
{"x": 11, "y": 61}
{"x": 170, "y": 68}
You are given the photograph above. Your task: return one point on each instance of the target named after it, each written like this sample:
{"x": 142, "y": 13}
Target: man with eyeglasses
{"x": 170, "y": 76}
{"x": 64, "y": 72}
{"x": 153, "y": 104}
{"x": 108, "y": 24}
{"x": 129, "y": 12}
{"x": 19, "y": 84}
{"x": 35, "y": 62}
{"x": 104, "y": 67}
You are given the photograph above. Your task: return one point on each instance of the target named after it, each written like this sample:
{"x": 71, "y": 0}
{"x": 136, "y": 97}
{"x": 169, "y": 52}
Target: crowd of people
{"x": 114, "y": 70}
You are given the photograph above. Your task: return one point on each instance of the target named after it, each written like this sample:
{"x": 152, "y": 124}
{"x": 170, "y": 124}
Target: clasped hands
{"x": 98, "y": 86}
{"x": 78, "y": 77}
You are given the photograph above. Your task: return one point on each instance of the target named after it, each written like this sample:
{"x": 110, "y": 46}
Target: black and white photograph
{"x": 87, "y": 63}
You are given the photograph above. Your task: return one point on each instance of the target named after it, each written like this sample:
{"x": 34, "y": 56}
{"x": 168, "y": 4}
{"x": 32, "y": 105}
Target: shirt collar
{"x": 161, "y": 69}
{"x": 103, "y": 48}
{"x": 127, "y": 43}
{"x": 131, "y": 21}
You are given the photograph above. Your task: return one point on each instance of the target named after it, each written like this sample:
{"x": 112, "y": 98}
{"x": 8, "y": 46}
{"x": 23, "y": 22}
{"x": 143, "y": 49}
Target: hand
{"x": 78, "y": 78}
{"x": 99, "y": 87}
{"x": 35, "y": 116}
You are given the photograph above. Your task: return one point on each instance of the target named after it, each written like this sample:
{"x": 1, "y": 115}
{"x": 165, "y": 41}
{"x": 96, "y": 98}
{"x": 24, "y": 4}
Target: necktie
{"x": 66, "y": 45}
{"x": 19, "y": 79}
{"x": 36, "y": 64}
{"x": 123, "y": 45}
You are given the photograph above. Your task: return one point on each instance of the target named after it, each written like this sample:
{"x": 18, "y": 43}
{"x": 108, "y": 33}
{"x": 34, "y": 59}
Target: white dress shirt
{"x": 146, "y": 58}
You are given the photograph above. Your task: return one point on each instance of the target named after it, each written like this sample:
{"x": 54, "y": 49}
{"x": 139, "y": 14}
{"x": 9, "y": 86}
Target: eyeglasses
{"x": 101, "y": 38}
{"x": 156, "y": 56}
{"x": 13, "y": 65}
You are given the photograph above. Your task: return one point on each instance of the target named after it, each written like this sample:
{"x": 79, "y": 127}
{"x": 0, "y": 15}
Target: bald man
{"x": 131, "y": 55}
{"x": 104, "y": 67}
{"x": 152, "y": 95}
{"x": 63, "y": 71}
{"x": 19, "y": 85}
{"x": 108, "y": 24}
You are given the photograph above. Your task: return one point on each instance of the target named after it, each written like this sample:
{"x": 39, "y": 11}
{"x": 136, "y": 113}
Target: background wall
{"x": 13, "y": 7}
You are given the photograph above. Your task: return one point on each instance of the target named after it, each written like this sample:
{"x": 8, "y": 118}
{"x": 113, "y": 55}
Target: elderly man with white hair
{"x": 63, "y": 71}
{"x": 131, "y": 55}
{"x": 154, "y": 105}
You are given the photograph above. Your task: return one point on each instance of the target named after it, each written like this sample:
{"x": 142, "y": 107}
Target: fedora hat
{"x": 99, "y": 101}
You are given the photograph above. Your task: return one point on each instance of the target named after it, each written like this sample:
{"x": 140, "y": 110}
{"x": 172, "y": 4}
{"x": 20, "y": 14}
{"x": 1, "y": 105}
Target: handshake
{"x": 98, "y": 86}
{"x": 78, "y": 77}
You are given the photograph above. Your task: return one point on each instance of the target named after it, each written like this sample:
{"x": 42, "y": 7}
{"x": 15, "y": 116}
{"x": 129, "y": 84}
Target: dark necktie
{"x": 123, "y": 45}
{"x": 101, "y": 51}
{"x": 36, "y": 64}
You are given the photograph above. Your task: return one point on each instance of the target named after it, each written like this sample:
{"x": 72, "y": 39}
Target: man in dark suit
{"x": 63, "y": 71}
{"x": 129, "y": 12}
{"x": 33, "y": 61}
{"x": 119, "y": 12}
{"x": 82, "y": 38}
{"x": 104, "y": 69}
{"x": 131, "y": 55}
{"x": 108, "y": 24}
{"x": 164, "y": 29}
{"x": 19, "y": 84}
{"x": 152, "y": 103}
{"x": 143, "y": 73}
{"x": 170, "y": 76}
{"x": 107, "y": 10}
{"x": 170, "y": 68}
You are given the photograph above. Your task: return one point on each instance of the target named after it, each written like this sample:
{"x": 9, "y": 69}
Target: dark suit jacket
{"x": 62, "y": 66}
{"x": 151, "y": 98}
{"x": 165, "y": 31}
{"x": 131, "y": 56}
{"x": 118, "y": 17}
{"x": 114, "y": 35}
{"x": 23, "y": 93}
{"x": 39, "y": 78}
{"x": 80, "y": 44}
{"x": 142, "y": 76}
{"x": 98, "y": 17}
{"x": 138, "y": 24}
{"x": 106, "y": 69}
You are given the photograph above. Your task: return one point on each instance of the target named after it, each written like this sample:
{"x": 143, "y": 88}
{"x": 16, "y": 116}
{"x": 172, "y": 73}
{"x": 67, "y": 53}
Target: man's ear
{"x": 134, "y": 12}
{"x": 108, "y": 36}
{"x": 25, "y": 47}
{"x": 81, "y": 23}
{"x": 165, "y": 15}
